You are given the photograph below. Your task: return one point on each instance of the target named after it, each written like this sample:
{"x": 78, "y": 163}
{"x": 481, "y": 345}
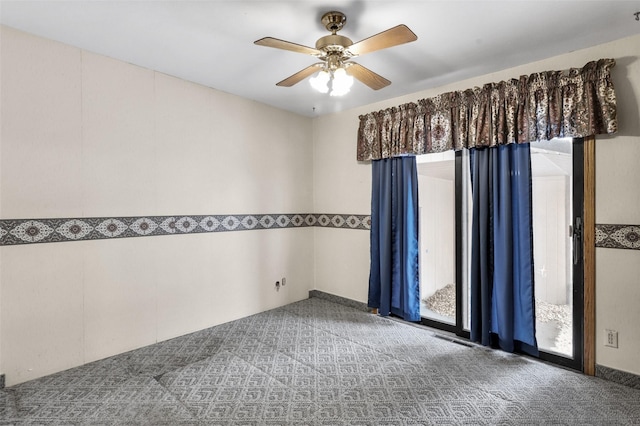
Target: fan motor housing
{"x": 333, "y": 42}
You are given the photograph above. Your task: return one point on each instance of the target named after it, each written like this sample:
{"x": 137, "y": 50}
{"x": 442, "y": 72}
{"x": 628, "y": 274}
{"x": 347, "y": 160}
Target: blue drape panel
{"x": 502, "y": 287}
{"x": 394, "y": 283}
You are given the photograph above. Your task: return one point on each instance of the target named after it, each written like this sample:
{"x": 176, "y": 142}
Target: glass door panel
{"x": 552, "y": 178}
{"x": 437, "y": 202}
{"x": 464, "y": 218}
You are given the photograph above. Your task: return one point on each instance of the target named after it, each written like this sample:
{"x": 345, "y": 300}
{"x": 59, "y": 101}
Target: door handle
{"x": 577, "y": 240}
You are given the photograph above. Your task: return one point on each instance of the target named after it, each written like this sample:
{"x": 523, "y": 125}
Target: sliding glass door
{"x": 445, "y": 221}
{"x": 557, "y": 182}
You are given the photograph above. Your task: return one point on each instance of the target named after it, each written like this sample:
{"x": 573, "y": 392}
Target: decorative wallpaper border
{"x": 618, "y": 236}
{"x": 30, "y": 231}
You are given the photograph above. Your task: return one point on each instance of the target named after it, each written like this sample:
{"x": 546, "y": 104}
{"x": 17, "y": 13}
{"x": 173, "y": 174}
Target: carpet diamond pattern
{"x": 316, "y": 362}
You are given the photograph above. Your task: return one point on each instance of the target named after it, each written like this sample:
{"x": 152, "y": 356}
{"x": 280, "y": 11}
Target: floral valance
{"x": 574, "y": 103}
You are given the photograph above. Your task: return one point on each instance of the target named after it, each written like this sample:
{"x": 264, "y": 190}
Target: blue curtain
{"x": 394, "y": 283}
{"x": 502, "y": 287}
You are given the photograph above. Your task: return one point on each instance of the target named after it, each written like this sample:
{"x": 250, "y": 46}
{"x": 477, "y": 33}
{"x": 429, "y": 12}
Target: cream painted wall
{"x": 83, "y": 135}
{"x": 342, "y": 184}
{"x": 1, "y": 92}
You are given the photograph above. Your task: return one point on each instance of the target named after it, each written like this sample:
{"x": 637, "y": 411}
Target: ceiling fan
{"x": 335, "y": 51}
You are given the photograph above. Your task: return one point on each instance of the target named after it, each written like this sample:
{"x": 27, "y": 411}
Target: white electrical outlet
{"x": 611, "y": 338}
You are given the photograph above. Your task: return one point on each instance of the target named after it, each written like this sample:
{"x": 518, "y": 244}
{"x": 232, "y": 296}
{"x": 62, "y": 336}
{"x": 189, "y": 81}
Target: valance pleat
{"x": 578, "y": 102}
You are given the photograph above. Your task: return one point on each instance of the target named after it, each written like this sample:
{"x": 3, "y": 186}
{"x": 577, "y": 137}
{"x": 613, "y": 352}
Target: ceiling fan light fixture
{"x": 321, "y": 81}
{"x": 335, "y": 52}
{"x": 341, "y": 83}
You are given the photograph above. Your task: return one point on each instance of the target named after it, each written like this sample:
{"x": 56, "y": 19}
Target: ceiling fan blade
{"x": 391, "y": 37}
{"x": 365, "y": 75}
{"x": 300, "y": 75}
{"x": 287, "y": 45}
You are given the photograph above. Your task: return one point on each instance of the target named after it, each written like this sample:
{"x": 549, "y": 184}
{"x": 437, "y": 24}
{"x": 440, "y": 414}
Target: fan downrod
{"x": 334, "y": 21}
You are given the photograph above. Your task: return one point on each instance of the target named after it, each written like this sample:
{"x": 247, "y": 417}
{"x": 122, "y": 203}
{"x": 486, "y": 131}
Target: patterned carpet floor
{"x": 316, "y": 362}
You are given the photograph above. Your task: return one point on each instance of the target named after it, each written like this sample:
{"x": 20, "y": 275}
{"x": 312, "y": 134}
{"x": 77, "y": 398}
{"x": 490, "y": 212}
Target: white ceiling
{"x": 210, "y": 42}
